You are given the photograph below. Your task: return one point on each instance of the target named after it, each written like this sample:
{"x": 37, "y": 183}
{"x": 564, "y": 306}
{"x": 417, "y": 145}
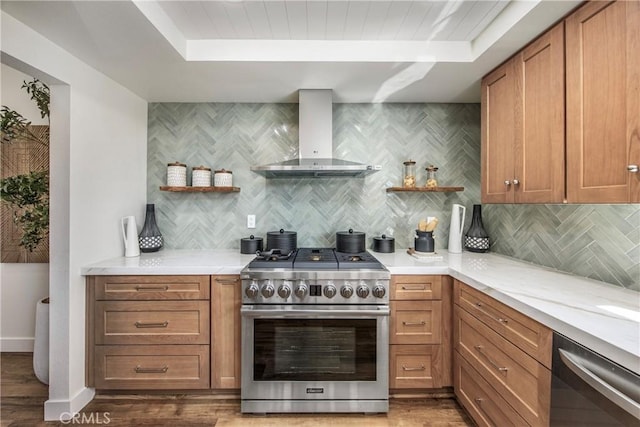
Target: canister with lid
{"x": 223, "y": 178}
{"x": 432, "y": 181}
{"x": 409, "y": 180}
{"x": 177, "y": 174}
{"x": 201, "y": 176}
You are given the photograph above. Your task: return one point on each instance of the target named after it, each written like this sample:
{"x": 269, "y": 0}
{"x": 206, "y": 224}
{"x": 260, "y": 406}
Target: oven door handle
{"x": 315, "y": 313}
{"x": 614, "y": 395}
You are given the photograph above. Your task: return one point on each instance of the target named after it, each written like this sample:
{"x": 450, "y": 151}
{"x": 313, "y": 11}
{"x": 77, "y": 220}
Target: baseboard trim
{"x": 17, "y": 345}
{"x": 58, "y": 410}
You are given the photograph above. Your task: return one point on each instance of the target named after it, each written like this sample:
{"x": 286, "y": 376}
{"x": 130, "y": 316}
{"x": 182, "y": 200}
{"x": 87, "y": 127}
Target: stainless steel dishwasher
{"x": 588, "y": 389}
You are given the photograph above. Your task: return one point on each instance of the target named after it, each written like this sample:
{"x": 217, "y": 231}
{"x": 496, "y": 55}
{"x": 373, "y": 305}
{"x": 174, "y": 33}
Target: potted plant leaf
{"x": 27, "y": 194}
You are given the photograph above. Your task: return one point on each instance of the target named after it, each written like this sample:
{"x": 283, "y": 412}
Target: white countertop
{"x": 600, "y": 316}
{"x": 168, "y": 262}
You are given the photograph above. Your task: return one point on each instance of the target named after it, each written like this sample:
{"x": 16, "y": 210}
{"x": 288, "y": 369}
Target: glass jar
{"x": 409, "y": 180}
{"x": 432, "y": 181}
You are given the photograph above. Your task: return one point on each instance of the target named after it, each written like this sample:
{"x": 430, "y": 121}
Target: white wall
{"x": 21, "y": 285}
{"x": 98, "y": 175}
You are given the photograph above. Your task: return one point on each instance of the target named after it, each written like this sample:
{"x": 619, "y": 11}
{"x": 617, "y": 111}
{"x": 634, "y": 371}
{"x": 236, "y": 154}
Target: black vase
{"x": 476, "y": 238}
{"x": 150, "y": 238}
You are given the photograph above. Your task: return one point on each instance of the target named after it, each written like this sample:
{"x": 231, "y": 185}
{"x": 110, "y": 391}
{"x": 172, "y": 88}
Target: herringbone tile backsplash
{"x": 597, "y": 241}
{"x": 238, "y": 136}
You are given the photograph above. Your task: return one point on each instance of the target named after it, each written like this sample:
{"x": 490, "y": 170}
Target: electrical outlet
{"x": 251, "y": 221}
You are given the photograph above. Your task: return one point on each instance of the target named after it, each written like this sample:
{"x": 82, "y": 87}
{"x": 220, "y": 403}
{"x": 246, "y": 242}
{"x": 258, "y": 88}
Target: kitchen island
{"x": 600, "y": 316}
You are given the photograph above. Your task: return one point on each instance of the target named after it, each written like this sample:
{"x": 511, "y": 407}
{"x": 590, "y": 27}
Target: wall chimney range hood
{"x": 316, "y": 144}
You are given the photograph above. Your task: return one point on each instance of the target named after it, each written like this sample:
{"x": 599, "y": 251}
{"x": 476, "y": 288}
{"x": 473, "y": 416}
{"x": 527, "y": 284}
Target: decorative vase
{"x": 41, "y": 342}
{"x": 476, "y": 238}
{"x": 150, "y": 238}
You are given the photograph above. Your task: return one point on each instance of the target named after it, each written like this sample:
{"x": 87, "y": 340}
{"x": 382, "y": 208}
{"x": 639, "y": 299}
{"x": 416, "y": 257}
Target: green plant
{"x": 14, "y": 125}
{"x": 28, "y": 193}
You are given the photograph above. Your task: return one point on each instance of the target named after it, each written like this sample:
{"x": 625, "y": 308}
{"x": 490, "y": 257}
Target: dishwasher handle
{"x": 614, "y": 395}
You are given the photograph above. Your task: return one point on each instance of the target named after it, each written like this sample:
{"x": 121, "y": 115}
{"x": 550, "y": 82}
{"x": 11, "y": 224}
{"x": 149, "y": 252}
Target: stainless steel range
{"x": 315, "y": 332}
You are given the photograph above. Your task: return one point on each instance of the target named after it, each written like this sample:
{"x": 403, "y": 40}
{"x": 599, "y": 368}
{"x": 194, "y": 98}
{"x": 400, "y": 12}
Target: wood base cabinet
{"x": 420, "y": 341}
{"x": 500, "y": 361}
{"x": 226, "y": 300}
{"x": 148, "y": 332}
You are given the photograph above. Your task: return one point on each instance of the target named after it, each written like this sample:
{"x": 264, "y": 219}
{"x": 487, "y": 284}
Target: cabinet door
{"x": 498, "y": 119}
{"x": 539, "y": 152}
{"x": 603, "y": 110}
{"x": 225, "y": 324}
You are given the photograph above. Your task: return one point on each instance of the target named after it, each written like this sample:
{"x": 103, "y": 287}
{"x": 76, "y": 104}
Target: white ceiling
{"x": 264, "y": 51}
{"x": 333, "y": 20}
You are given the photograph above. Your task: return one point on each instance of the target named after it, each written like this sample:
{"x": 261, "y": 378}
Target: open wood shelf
{"x": 425, "y": 189}
{"x": 200, "y": 189}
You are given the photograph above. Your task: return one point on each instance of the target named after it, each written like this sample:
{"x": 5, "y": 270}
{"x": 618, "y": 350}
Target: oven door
{"x": 315, "y": 352}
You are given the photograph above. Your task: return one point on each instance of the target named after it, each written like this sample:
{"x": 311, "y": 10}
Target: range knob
{"x": 379, "y": 291}
{"x": 329, "y": 291}
{"x": 301, "y": 290}
{"x": 346, "y": 291}
{"x": 284, "y": 291}
{"x": 268, "y": 290}
{"x": 362, "y": 291}
{"x": 252, "y": 290}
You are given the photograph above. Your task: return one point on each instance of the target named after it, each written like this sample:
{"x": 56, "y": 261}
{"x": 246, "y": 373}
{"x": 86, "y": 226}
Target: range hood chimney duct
{"x": 316, "y": 143}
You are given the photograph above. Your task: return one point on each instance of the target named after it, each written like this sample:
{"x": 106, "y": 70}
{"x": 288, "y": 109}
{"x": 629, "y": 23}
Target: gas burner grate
{"x": 273, "y": 255}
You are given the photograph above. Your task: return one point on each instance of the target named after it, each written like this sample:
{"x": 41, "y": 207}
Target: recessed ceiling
{"x": 333, "y": 20}
{"x": 264, "y": 51}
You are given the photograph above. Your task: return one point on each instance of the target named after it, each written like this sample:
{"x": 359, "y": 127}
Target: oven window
{"x": 314, "y": 349}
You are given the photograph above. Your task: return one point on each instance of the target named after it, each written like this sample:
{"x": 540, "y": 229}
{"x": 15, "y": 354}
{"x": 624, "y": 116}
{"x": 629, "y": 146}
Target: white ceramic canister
{"x": 223, "y": 178}
{"x": 201, "y": 176}
{"x": 177, "y": 174}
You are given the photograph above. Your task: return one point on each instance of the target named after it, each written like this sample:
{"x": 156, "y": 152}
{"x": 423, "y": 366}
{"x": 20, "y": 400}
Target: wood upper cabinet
{"x": 603, "y": 102}
{"x": 523, "y": 125}
{"x": 498, "y": 133}
{"x": 226, "y": 300}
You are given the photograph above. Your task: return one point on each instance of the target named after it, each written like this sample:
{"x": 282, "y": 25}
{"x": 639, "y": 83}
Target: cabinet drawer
{"x": 416, "y": 322}
{"x": 523, "y": 382}
{"x": 148, "y": 288}
{"x": 152, "y": 367}
{"x": 415, "y": 366}
{"x": 416, "y": 287}
{"x": 152, "y": 322}
{"x": 480, "y": 399}
{"x": 529, "y": 335}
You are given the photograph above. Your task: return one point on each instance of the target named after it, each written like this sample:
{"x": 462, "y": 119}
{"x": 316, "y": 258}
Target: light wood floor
{"x": 22, "y": 397}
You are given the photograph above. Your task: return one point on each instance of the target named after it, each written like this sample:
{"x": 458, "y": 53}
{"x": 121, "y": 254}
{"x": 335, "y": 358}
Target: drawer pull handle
{"x": 420, "y": 323}
{"x": 405, "y": 368}
{"x": 152, "y": 325}
{"x": 479, "y": 401}
{"x": 491, "y": 362}
{"x": 152, "y": 288}
{"x": 413, "y": 288}
{"x": 140, "y": 370}
{"x": 499, "y": 319}
{"x": 227, "y": 281}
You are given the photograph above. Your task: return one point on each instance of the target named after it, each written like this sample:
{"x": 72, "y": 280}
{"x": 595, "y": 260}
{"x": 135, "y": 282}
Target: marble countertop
{"x": 603, "y": 317}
